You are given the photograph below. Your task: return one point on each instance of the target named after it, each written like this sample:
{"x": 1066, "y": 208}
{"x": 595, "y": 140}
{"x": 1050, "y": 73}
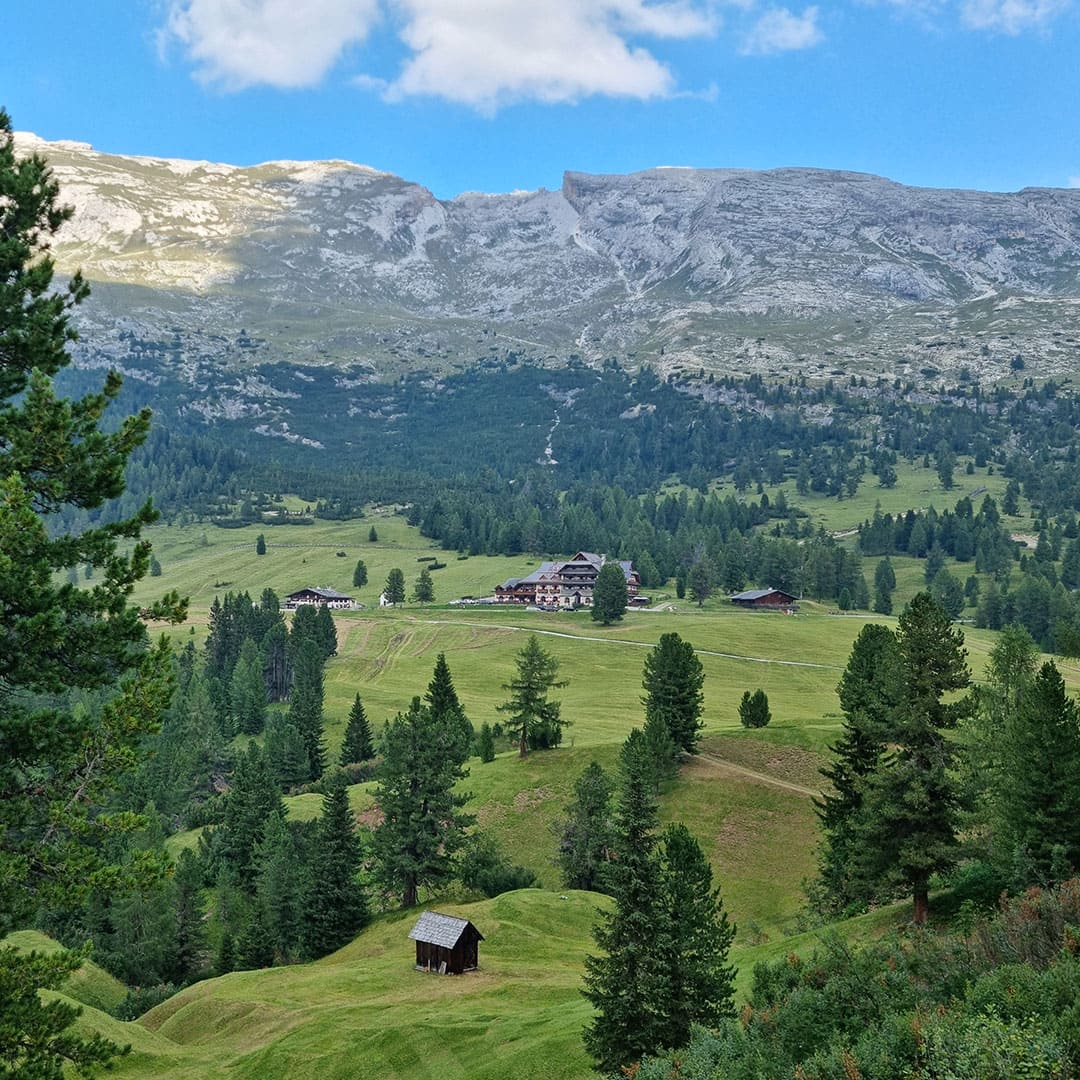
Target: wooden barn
{"x": 445, "y": 944}
{"x": 764, "y": 598}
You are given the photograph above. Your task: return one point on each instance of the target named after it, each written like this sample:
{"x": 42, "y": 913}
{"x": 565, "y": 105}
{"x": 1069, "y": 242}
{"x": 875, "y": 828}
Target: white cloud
{"x": 1074, "y": 181}
{"x": 482, "y": 53}
{"x": 485, "y": 53}
{"x": 1011, "y": 17}
{"x": 284, "y": 43}
{"x": 779, "y": 30}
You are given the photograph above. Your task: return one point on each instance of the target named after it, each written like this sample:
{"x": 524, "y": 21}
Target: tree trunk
{"x": 409, "y": 897}
{"x": 523, "y": 748}
{"x": 922, "y": 903}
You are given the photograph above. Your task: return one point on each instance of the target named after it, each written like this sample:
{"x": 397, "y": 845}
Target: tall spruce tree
{"x": 673, "y": 681}
{"x": 247, "y": 691}
{"x": 305, "y": 627}
{"x": 286, "y": 751}
{"x": 609, "y": 594}
{"x": 280, "y": 889}
{"x": 869, "y": 691}
{"x": 424, "y": 587}
{"x": 253, "y": 797}
{"x": 337, "y": 909}
{"x": 57, "y": 765}
{"x": 326, "y": 632}
{"x": 394, "y": 589}
{"x": 912, "y": 802}
{"x": 1038, "y": 783}
{"x": 306, "y": 703}
{"x": 585, "y": 837}
{"x": 625, "y": 984}
{"x": 446, "y": 708}
{"x": 423, "y": 824}
{"x": 665, "y": 941}
{"x": 700, "y": 985}
{"x": 358, "y": 744}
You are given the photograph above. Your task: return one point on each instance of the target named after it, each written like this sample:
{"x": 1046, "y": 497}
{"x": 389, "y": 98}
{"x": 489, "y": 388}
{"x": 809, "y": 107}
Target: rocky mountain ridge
{"x": 200, "y": 265}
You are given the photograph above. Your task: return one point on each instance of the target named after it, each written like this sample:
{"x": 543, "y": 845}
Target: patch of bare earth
{"x": 526, "y": 800}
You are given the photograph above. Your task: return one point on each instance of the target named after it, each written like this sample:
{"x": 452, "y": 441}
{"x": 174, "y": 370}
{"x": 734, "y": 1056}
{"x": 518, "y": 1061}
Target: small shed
{"x": 445, "y": 944}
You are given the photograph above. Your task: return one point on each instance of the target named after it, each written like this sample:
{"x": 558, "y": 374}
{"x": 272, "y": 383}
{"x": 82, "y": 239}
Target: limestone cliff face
{"x": 782, "y": 271}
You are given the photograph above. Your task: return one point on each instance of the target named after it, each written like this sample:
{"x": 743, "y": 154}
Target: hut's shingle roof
{"x": 439, "y": 929}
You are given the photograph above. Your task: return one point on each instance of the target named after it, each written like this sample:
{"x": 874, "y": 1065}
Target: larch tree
{"x": 359, "y": 577}
{"x": 701, "y": 580}
{"x": 57, "y": 765}
{"x": 534, "y": 721}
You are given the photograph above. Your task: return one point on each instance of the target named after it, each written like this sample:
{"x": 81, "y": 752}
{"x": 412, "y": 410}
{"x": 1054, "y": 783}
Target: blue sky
{"x": 497, "y": 95}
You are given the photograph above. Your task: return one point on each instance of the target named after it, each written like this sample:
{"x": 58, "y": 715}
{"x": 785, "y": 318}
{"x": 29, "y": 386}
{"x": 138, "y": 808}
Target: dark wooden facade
{"x": 445, "y": 944}
{"x": 764, "y": 598}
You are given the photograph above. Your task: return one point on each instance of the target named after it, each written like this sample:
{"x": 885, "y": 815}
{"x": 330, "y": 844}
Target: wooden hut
{"x": 763, "y": 598}
{"x": 445, "y": 944}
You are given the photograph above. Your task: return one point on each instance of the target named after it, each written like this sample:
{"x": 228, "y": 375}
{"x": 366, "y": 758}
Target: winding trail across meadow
{"x": 753, "y": 774}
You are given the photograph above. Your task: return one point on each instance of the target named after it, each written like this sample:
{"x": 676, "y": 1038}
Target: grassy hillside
{"x": 89, "y": 985}
{"x": 746, "y": 797}
{"x": 364, "y": 1012}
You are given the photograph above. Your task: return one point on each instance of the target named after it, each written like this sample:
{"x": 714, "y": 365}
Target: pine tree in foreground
{"x": 58, "y": 765}
{"x": 869, "y": 691}
{"x": 423, "y": 826}
{"x": 337, "y": 909}
{"x": 911, "y": 813}
{"x": 700, "y": 987}
{"x": 666, "y": 941}
{"x": 626, "y": 984}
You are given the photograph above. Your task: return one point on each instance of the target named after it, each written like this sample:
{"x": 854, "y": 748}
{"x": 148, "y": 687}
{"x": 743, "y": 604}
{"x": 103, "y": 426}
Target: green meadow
{"x": 747, "y": 798}
{"x": 365, "y": 1013}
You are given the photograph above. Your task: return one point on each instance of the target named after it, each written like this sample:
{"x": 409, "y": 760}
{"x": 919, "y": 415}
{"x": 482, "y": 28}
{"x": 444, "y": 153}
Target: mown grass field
{"x": 364, "y": 1013}
{"x": 746, "y": 797}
